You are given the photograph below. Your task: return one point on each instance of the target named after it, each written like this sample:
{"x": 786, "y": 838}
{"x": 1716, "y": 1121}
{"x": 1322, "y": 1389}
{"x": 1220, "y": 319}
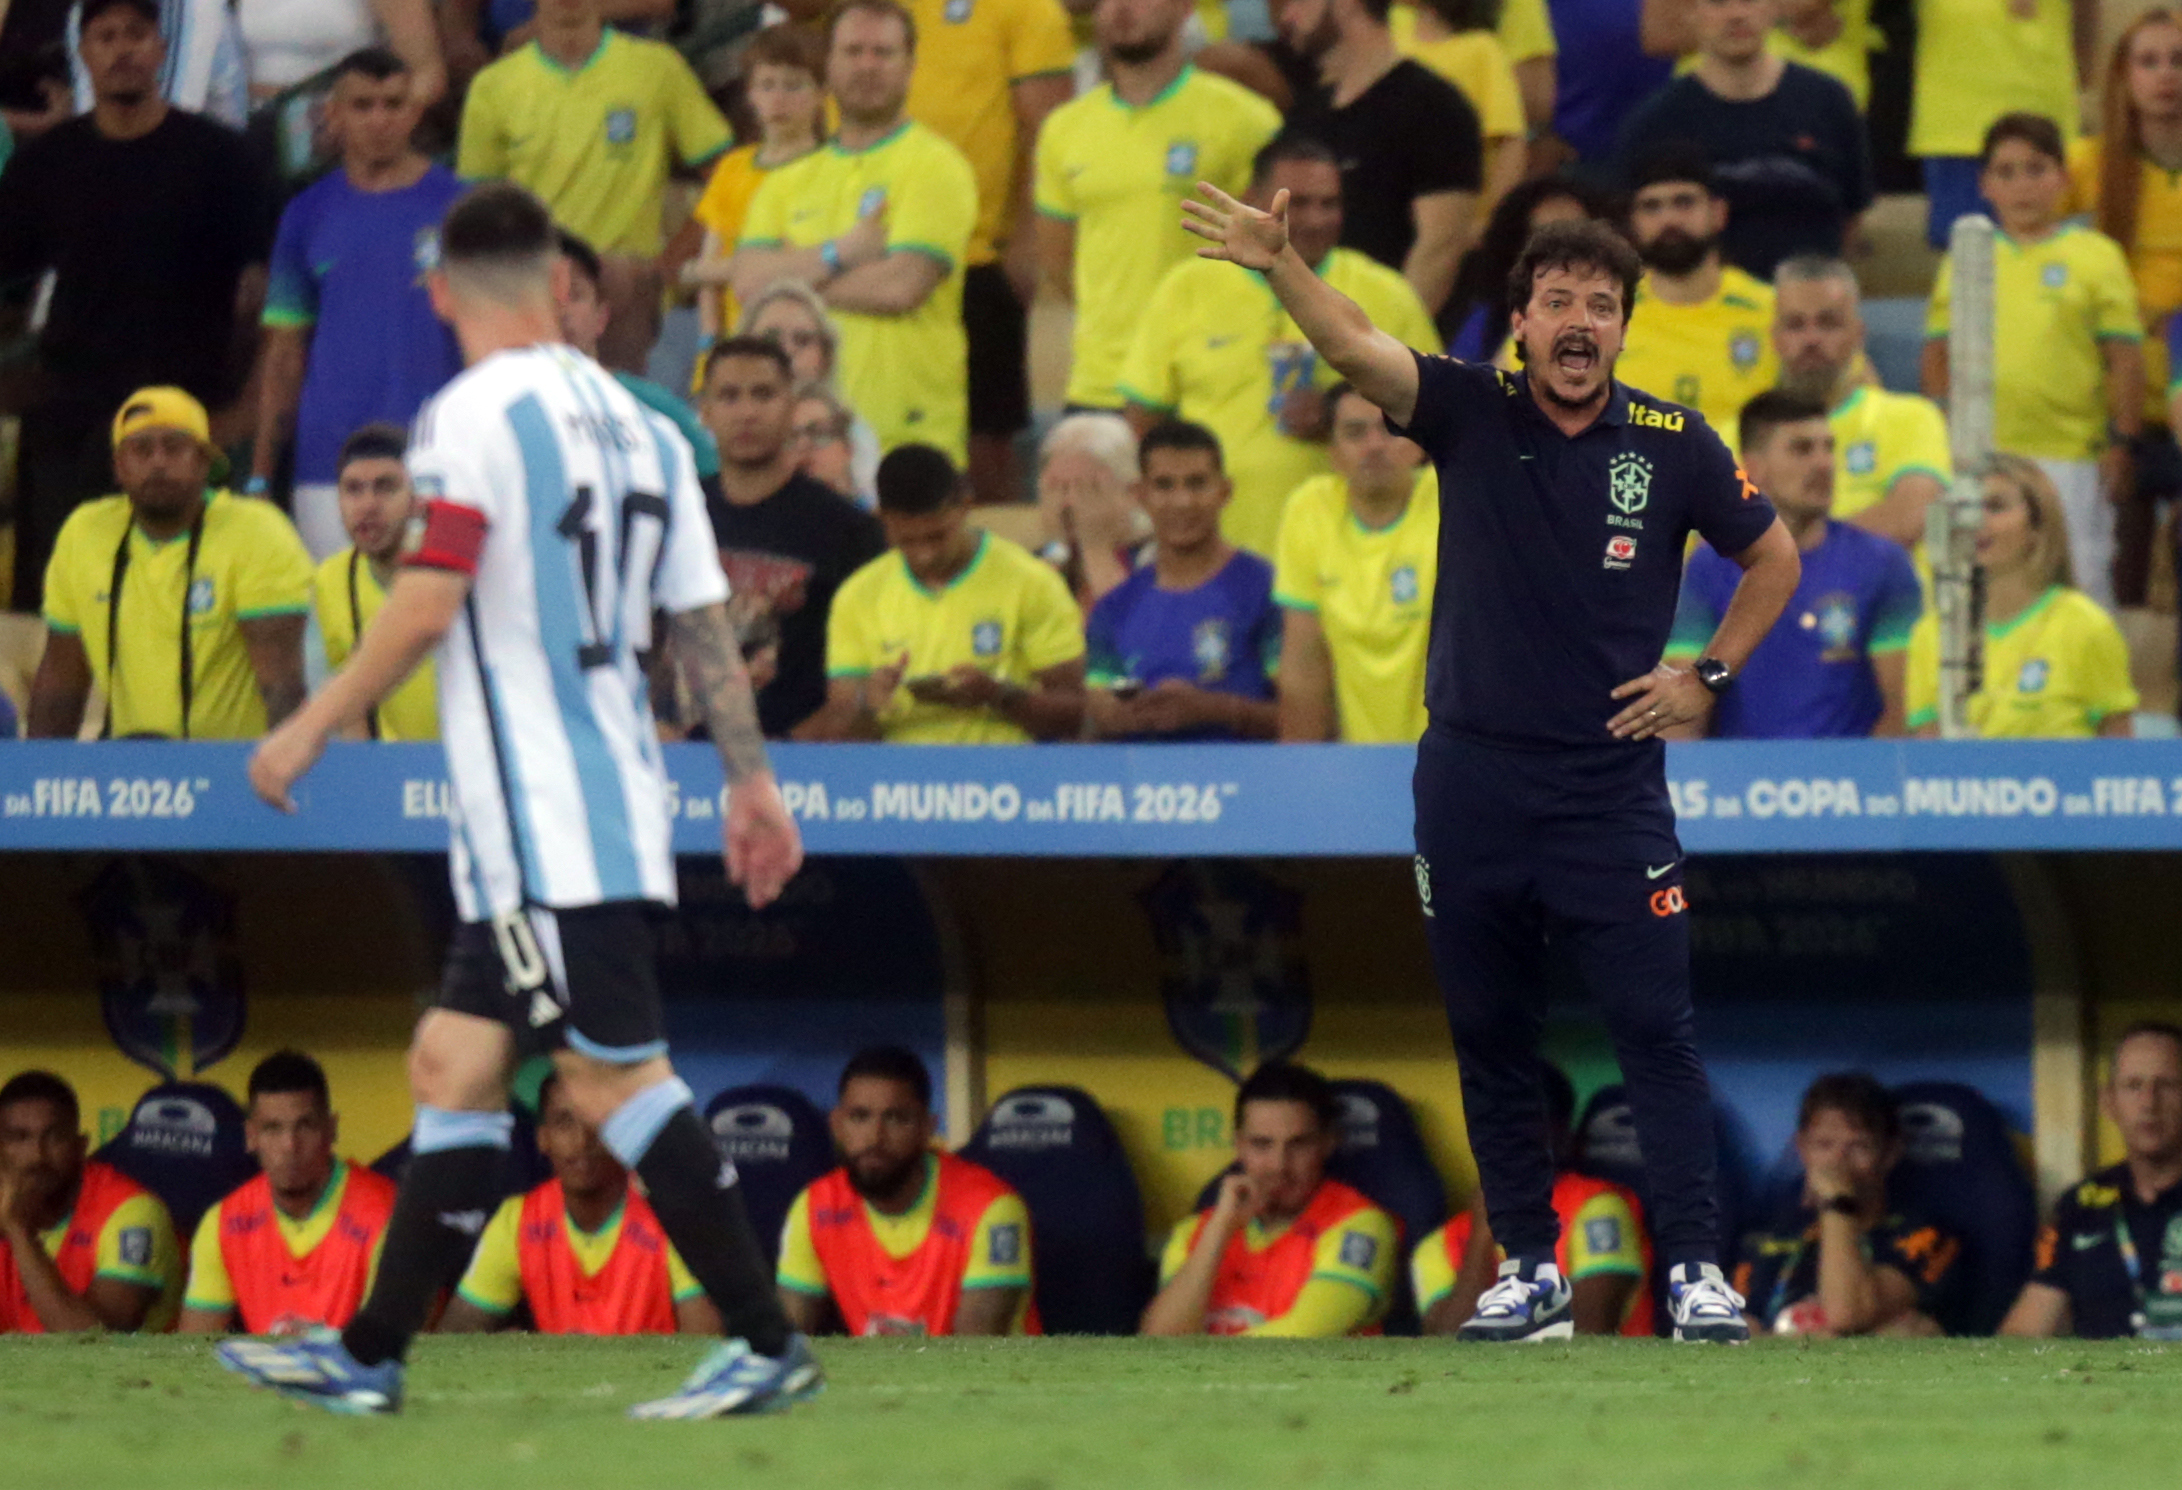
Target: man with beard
{"x": 1704, "y": 335}
{"x": 787, "y": 541}
{"x": 904, "y": 1239}
{"x": 1542, "y": 814}
{"x": 183, "y": 603}
{"x": 296, "y": 1246}
{"x": 82, "y": 1246}
{"x": 584, "y": 1250}
{"x": 375, "y": 503}
{"x": 879, "y": 223}
{"x": 1835, "y": 667}
{"x": 1412, "y": 158}
{"x": 149, "y": 218}
{"x": 1891, "y": 458}
{"x": 1111, "y": 168}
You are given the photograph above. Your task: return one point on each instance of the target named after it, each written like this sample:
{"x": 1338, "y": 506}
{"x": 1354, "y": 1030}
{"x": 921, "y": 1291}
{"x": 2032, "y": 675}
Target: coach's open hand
{"x": 764, "y": 847}
{"x": 283, "y": 757}
{"x": 1665, "y": 697}
{"x": 1237, "y": 231}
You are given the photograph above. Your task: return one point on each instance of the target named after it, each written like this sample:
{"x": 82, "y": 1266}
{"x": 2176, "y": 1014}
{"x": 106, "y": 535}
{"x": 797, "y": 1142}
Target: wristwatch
{"x": 1843, "y": 1205}
{"x": 1714, "y": 674}
{"x": 829, "y": 254}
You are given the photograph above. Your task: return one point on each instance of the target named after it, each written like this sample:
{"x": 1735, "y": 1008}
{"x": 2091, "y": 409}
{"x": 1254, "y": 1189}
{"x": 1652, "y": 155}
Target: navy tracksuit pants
{"x": 1576, "y": 847}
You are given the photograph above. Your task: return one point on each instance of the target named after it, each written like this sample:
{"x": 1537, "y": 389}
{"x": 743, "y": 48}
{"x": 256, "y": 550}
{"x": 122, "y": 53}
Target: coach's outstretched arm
{"x": 763, "y": 847}
{"x": 1380, "y": 367}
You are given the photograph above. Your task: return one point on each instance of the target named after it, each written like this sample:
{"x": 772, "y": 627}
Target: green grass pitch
{"x": 495, "y": 1414}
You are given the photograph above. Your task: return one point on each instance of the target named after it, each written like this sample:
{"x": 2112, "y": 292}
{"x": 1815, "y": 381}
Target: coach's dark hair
{"x": 2148, "y": 1029}
{"x": 1595, "y": 246}
{"x": 581, "y": 256}
{"x": 1857, "y": 1096}
{"x": 498, "y": 225}
{"x": 917, "y": 481}
{"x": 1285, "y": 1081}
{"x": 873, "y": 7}
{"x": 376, "y": 63}
{"x": 1288, "y": 146}
{"x": 1675, "y": 164}
{"x": 763, "y": 348}
{"x": 290, "y": 1071}
{"x": 2034, "y": 130}
{"x": 380, "y": 441}
{"x": 1769, "y": 410}
{"x": 890, "y": 1063}
{"x": 42, "y": 1086}
{"x": 1178, "y": 434}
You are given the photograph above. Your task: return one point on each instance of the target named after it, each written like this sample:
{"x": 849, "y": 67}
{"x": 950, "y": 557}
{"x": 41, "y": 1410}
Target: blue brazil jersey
{"x": 1222, "y": 635}
{"x": 1560, "y": 558}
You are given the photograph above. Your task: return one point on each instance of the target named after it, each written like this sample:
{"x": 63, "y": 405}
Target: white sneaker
{"x": 1519, "y": 1308}
{"x": 1705, "y": 1308}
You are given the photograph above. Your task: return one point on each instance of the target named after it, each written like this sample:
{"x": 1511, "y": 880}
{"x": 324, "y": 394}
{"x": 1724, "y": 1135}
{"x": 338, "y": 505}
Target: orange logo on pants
{"x": 1669, "y": 901}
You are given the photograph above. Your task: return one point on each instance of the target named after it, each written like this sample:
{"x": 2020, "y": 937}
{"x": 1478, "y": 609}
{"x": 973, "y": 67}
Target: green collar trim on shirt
{"x": 1399, "y": 518}
{"x": 606, "y": 36}
{"x": 2029, "y": 613}
{"x": 1851, "y": 401}
{"x": 331, "y": 1195}
{"x": 984, "y": 541}
{"x": 924, "y": 1194}
{"x": 879, "y": 144}
{"x": 2060, "y": 230}
{"x": 1189, "y": 70}
{"x": 212, "y": 494}
{"x": 606, "y": 1226}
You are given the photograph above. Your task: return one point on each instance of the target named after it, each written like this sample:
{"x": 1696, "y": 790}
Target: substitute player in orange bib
{"x": 296, "y": 1246}
{"x": 1285, "y": 1251}
{"x": 903, "y": 1239}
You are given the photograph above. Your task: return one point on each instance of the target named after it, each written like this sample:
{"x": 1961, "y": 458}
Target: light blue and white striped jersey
{"x": 594, "y": 519}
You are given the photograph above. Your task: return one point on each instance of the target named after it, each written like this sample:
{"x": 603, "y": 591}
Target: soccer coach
{"x": 1541, "y": 792}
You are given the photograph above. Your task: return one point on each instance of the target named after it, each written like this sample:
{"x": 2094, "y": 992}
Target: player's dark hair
{"x": 785, "y": 44}
{"x": 2149, "y": 1029}
{"x": 498, "y": 225}
{"x": 93, "y": 9}
{"x": 376, "y": 63}
{"x": 1178, "y": 434}
{"x": 582, "y": 257}
{"x": 917, "y": 481}
{"x": 1675, "y": 164}
{"x": 1576, "y": 246}
{"x": 42, "y": 1086}
{"x": 290, "y": 1071}
{"x": 873, "y": 7}
{"x": 1285, "y": 1081}
{"x": 763, "y": 348}
{"x": 1857, "y": 1096}
{"x": 890, "y": 1063}
{"x": 2034, "y": 130}
{"x": 1560, "y": 1094}
{"x": 380, "y": 441}
{"x": 1290, "y": 146}
{"x": 1769, "y": 410}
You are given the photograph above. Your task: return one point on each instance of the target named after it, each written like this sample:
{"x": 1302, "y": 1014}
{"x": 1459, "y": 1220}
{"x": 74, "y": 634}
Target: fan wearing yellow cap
{"x": 183, "y": 603}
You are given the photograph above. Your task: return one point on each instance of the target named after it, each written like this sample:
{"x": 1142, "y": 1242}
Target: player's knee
{"x": 455, "y": 1067}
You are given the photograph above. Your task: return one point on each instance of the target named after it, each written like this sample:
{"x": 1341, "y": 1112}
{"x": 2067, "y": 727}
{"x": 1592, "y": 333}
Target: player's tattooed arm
{"x": 711, "y": 658}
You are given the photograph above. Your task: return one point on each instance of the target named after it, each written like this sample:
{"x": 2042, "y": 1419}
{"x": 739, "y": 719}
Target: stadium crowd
{"x": 215, "y": 224}
{"x": 888, "y": 1233}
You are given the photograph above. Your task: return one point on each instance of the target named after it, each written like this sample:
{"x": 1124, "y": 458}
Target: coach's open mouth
{"x": 1577, "y": 355}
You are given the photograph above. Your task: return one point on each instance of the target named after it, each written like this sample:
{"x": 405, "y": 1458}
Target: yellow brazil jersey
{"x": 1359, "y": 1258}
{"x": 1215, "y": 347}
{"x": 1372, "y": 592}
{"x": 1526, "y": 31}
{"x": 346, "y": 595}
{"x": 1119, "y": 173}
{"x": 494, "y": 1279}
{"x": 1007, "y": 613}
{"x": 1476, "y": 63}
{"x": 2155, "y": 262}
{"x": 970, "y": 54}
{"x": 2053, "y": 673}
{"x": 595, "y": 142}
{"x": 721, "y": 211}
{"x": 1878, "y": 438}
{"x": 211, "y": 1288}
{"x": 1713, "y": 356}
{"x": 250, "y": 565}
{"x": 2057, "y": 303}
{"x": 136, "y": 1245}
{"x": 906, "y": 375}
{"x": 1977, "y": 60}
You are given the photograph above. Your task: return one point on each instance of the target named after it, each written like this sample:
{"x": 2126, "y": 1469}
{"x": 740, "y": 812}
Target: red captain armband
{"x": 448, "y": 536}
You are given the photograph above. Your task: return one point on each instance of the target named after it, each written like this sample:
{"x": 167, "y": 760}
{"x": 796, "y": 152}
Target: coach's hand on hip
{"x": 764, "y": 848}
{"x": 1663, "y": 698}
{"x": 282, "y": 758}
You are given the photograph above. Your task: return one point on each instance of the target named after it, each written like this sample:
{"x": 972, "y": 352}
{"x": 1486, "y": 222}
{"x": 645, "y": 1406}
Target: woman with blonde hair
{"x": 2055, "y": 664}
{"x": 790, "y": 314}
{"x": 2128, "y": 178}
